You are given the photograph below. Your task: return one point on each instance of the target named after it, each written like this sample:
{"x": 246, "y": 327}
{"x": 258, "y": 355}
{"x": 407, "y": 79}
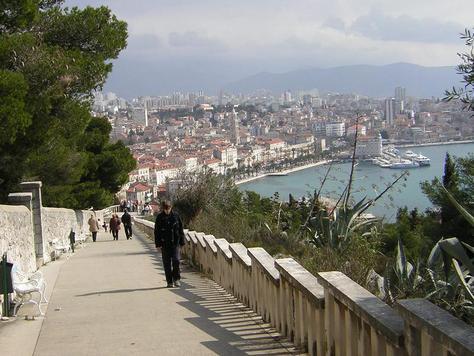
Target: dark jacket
{"x": 168, "y": 230}
{"x": 126, "y": 219}
{"x": 114, "y": 224}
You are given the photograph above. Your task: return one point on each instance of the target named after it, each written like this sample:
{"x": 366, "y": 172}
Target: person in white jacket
{"x": 93, "y": 226}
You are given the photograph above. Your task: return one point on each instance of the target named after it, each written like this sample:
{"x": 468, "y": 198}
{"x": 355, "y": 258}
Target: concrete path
{"x": 110, "y": 298}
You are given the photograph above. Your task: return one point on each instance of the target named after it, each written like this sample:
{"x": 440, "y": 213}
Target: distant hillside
{"x": 376, "y": 81}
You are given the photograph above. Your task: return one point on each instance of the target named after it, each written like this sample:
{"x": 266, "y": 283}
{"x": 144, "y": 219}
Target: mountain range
{"x": 131, "y": 78}
{"x": 371, "y": 80}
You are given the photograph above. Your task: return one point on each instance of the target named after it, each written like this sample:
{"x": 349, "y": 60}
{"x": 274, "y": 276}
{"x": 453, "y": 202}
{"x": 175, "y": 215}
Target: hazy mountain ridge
{"x": 371, "y": 80}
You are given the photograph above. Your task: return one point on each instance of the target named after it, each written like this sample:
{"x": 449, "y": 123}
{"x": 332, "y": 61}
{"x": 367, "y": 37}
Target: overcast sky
{"x": 250, "y": 36}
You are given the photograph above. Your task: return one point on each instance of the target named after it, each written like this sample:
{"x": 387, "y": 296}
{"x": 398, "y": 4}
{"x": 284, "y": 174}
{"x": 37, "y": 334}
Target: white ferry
{"x": 381, "y": 162}
{"x": 391, "y": 151}
{"x": 418, "y": 158}
{"x": 404, "y": 164}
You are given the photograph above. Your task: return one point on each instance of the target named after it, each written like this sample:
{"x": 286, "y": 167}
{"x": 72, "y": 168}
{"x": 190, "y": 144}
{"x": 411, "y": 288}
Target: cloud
{"x": 335, "y": 23}
{"x": 378, "y": 26}
{"x": 144, "y": 41}
{"x": 192, "y": 39}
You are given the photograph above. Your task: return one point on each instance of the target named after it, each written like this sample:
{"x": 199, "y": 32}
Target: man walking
{"x": 169, "y": 236}
{"x": 127, "y": 224}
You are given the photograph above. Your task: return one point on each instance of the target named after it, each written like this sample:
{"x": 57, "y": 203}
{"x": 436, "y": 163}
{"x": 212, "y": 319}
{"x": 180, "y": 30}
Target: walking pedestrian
{"x": 127, "y": 224}
{"x": 169, "y": 236}
{"x": 114, "y": 226}
{"x": 104, "y": 225}
{"x": 93, "y": 226}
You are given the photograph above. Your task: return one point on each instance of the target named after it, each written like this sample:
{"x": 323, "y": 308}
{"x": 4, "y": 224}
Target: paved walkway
{"x": 110, "y": 299}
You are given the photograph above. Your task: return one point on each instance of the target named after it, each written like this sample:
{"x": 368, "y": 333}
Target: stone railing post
{"x": 265, "y": 285}
{"x": 210, "y": 253}
{"x": 430, "y": 330}
{"x": 35, "y": 189}
{"x": 302, "y": 306}
{"x": 224, "y": 265}
{"x": 24, "y": 199}
{"x": 241, "y": 272}
{"x": 356, "y": 321}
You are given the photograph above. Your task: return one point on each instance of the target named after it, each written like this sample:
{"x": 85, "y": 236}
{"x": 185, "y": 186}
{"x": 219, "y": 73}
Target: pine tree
{"x": 51, "y": 60}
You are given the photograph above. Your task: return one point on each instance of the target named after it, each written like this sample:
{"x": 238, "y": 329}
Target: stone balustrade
{"x": 327, "y": 314}
{"x": 301, "y": 305}
{"x": 356, "y": 321}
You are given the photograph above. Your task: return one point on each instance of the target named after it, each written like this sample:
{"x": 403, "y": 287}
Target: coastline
{"x": 306, "y": 166}
{"x": 286, "y": 171}
{"x": 433, "y": 144}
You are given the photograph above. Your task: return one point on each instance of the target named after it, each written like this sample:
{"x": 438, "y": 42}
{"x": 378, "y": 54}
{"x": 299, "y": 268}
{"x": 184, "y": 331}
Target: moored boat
{"x": 404, "y": 164}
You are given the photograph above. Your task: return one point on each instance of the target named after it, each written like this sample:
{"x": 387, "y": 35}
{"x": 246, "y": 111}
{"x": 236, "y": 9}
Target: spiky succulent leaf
{"x": 454, "y": 249}
{"x": 460, "y": 275}
{"x": 459, "y": 207}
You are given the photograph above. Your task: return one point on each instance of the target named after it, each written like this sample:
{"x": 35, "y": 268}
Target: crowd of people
{"x": 113, "y": 226}
{"x": 136, "y": 207}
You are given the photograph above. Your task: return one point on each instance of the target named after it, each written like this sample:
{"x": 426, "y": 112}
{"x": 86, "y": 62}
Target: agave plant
{"x": 448, "y": 278}
{"x": 450, "y": 273}
{"x": 334, "y": 228}
{"x": 402, "y": 279}
{"x": 455, "y": 254}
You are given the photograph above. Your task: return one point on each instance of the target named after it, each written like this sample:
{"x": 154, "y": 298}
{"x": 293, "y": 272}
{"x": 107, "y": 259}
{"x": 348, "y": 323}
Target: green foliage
{"x": 459, "y": 182}
{"x": 466, "y": 70}
{"x": 13, "y": 115}
{"x": 206, "y": 192}
{"x": 355, "y": 259}
{"x": 446, "y": 277}
{"x": 414, "y": 230}
{"x": 51, "y": 59}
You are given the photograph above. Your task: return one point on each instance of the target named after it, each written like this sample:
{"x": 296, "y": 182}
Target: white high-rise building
{"x": 400, "y": 94}
{"x": 400, "y": 99}
{"x": 140, "y": 116}
{"x": 390, "y": 107}
{"x": 234, "y": 127}
{"x": 146, "y": 114}
{"x": 335, "y": 129}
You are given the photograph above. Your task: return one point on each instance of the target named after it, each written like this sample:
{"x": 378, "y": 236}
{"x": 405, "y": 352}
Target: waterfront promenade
{"x": 110, "y": 298}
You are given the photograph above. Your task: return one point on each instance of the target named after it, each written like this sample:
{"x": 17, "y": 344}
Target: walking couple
{"x": 169, "y": 236}
{"x": 115, "y": 222}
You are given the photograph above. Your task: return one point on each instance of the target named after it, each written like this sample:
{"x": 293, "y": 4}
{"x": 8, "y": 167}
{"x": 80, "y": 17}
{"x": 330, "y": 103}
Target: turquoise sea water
{"x": 369, "y": 181}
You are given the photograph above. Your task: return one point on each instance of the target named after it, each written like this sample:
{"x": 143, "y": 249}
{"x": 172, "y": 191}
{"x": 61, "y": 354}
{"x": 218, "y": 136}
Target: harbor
{"x": 370, "y": 179}
{"x": 393, "y": 159}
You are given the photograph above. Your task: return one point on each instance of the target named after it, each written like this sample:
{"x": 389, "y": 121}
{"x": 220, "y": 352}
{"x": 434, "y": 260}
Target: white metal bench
{"x": 80, "y": 239}
{"x": 24, "y": 288}
{"x": 61, "y": 247}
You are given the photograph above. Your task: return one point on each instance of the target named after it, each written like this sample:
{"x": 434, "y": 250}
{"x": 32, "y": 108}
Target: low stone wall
{"x": 327, "y": 314}
{"x": 16, "y": 236}
{"x": 58, "y": 223}
{"x": 27, "y": 229}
